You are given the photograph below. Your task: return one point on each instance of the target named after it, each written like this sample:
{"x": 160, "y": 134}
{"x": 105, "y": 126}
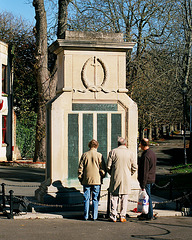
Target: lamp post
{"x": 185, "y": 88}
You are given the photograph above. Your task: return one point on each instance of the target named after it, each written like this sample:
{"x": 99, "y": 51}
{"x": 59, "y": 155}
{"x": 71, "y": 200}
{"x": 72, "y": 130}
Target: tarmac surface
{"x": 170, "y": 224}
{"x": 74, "y": 229}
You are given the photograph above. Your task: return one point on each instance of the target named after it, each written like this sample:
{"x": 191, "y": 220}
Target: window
{"x": 4, "y": 128}
{"x": 4, "y": 76}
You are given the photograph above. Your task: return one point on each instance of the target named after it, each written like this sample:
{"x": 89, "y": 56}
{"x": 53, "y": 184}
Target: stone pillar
{"x": 91, "y": 102}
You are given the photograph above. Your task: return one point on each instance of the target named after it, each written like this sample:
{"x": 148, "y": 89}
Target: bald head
{"x": 144, "y": 144}
{"x": 121, "y": 141}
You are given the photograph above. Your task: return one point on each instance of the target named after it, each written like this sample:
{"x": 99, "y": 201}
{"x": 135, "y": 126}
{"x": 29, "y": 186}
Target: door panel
{"x": 73, "y": 145}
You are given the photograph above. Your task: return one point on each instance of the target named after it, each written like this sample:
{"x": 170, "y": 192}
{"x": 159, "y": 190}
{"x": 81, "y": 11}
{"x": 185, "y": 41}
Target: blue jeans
{"x": 95, "y": 189}
{"x": 148, "y": 190}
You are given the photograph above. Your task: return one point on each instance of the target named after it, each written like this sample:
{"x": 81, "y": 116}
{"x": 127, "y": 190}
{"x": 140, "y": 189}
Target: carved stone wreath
{"x": 86, "y": 82}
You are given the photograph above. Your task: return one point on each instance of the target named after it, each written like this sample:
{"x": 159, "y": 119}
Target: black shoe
{"x": 153, "y": 218}
{"x": 142, "y": 216}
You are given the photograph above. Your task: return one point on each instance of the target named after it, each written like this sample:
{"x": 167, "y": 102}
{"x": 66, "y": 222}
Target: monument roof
{"x": 92, "y": 41}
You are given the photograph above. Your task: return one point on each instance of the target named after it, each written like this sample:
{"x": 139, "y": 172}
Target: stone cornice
{"x": 63, "y": 44}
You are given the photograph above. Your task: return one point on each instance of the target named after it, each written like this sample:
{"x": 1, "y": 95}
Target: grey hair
{"x": 121, "y": 141}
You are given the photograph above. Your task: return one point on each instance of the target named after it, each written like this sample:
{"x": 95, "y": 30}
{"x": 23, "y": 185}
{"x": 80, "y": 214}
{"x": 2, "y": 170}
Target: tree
{"x": 155, "y": 61}
{"x": 185, "y": 17}
{"x": 46, "y": 80}
{"x": 146, "y": 23}
{"x": 62, "y": 18}
{"x": 42, "y": 76}
{"x": 157, "y": 92}
{"x": 18, "y": 33}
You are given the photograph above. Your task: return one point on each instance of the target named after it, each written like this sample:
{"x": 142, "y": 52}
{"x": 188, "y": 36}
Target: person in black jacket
{"x": 146, "y": 174}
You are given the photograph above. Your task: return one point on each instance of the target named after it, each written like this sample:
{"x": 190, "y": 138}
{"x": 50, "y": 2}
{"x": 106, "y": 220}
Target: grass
{"x": 182, "y": 169}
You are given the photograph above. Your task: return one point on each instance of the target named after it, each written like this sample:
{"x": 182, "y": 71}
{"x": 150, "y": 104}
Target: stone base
{"x": 71, "y": 197}
{"x": 56, "y": 193}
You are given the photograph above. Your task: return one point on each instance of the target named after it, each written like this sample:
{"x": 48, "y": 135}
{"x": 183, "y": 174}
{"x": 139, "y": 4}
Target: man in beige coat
{"x": 90, "y": 173}
{"x": 120, "y": 166}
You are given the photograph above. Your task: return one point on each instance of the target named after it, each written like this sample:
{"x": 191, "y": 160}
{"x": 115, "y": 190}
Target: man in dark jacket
{"x": 146, "y": 174}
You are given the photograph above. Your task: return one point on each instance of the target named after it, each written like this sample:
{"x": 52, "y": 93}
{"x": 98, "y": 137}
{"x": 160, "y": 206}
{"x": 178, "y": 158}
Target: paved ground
{"x": 63, "y": 229}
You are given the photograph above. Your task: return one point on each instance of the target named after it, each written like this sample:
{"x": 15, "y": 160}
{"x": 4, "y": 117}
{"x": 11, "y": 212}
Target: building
{"x": 7, "y": 138}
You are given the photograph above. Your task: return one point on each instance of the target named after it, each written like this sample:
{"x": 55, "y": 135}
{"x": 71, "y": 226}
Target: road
{"x": 27, "y": 179}
{"x": 61, "y": 229}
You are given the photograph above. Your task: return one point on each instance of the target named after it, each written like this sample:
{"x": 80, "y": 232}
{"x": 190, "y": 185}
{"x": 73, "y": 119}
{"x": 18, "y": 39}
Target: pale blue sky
{"x": 19, "y": 8}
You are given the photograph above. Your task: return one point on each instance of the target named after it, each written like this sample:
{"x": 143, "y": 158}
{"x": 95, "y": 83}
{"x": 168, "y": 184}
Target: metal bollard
{"x": 11, "y": 204}
{"x": 3, "y": 194}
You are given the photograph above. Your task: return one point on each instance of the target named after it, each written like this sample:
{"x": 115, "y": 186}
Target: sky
{"x": 19, "y": 8}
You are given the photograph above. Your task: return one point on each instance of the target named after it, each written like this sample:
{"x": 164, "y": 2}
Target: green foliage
{"x": 182, "y": 169}
{"x": 25, "y": 134}
{"x": 18, "y": 33}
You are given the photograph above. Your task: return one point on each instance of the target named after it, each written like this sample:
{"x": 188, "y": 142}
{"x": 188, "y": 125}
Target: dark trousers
{"x": 148, "y": 190}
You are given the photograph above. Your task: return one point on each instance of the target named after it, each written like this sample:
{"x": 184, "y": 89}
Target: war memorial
{"x": 91, "y": 103}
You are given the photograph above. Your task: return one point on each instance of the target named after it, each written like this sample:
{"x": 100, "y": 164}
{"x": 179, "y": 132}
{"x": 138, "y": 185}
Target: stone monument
{"x": 91, "y": 103}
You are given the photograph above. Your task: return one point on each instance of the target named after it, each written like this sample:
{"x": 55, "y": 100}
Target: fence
{"x": 12, "y": 205}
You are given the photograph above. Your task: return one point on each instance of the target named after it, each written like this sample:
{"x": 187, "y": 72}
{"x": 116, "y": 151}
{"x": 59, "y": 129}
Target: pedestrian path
{"x": 44, "y": 214}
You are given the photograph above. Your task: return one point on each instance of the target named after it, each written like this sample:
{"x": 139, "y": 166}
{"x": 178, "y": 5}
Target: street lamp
{"x": 185, "y": 89}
